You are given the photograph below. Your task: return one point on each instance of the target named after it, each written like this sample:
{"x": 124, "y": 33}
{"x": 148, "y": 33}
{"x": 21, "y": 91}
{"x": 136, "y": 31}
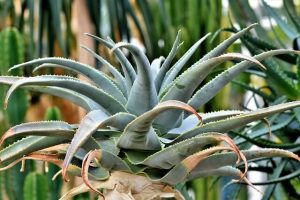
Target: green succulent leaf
{"x": 102, "y": 80}
{"x": 167, "y": 63}
{"x": 183, "y": 169}
{"x": 108, "y": 144}
{"x": 129, "y": 72}
{"x": 106, "y": 101}
{"x": 183, "y": 87}
{"x": 192, "y": 121}
{"x": 143, "y": 95}
{"x": 90, "y": 123}
{"x": 41, "y": 128}
{"x": 172, "y": 155}
{"x": 75, "y": 97}
{"x": 221, "y": 171}
{"x": 28, "y": 145}
{"x": 232, "y": 123}
{"x": 139, "y": 134}
{"x": 177, "y": 67}
{"x": 121, "y": 82}
{"x": 185, "y": 84}
{"x": 221, "y": 48}
{"x": 210, "y": 89}
{"x": 9, "y": 80}
{"x": 109, "y": 161}
{"x": 156, "y": 64}
{"x": 229, "y": 158}
{"x": 217, "y": 164}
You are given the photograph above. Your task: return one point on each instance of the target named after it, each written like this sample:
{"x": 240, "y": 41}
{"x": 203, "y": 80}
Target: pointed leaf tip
{"x": 5, "y": 135}
{"x": 295, "y": 156}
{"x": 192, "y": 161}
{"x": 64, "y": 174}
{"x": 118, "y": 45}
{"x": 12, "y": 68}
{"x": 244, "y": 57}
{"x": 139, "y": 134}
{"x": 5, "y": 104}
{"x": 253, "y": 25}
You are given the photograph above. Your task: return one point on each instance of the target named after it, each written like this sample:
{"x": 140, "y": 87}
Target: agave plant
{"x": 141, "y": 135}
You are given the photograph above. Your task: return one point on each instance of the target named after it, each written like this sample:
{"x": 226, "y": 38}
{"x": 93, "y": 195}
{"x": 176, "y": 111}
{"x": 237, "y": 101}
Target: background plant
{"x": 281, "y": 77}
{"x": 12, "y": 52}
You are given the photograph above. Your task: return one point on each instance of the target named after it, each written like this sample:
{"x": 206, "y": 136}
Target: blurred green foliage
{"x": 35, "y": 187}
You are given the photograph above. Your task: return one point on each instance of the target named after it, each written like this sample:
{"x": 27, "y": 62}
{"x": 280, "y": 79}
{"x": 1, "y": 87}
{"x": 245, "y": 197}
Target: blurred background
{"x": 39, "y": 28}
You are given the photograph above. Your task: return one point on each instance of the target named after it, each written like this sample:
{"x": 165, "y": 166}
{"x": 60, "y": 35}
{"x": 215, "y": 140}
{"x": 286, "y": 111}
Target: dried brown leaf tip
{"x": 6, "y": 135}
{"x": 89, "y": 157}
{"x": 192, "y": 161}
{"x": 39, "y": 156}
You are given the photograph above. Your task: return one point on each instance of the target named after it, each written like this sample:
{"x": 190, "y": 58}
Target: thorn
{"x": 117, "y": 46}
{"x": 22, "y": 166}
{"x": 10, "y": 69}
{"x": 269, "y": 126}
{"x": 251, "y": 185}
{"x": 254, "y": 24}
{"x": 35, "y": 69}
{"x": 64, "y": 174}
{"x": 1, "y": 141}
{"x": 7, "y": 134}
{"x": 5, "y": 104}
{"x": 66, "y": 179}
{"x": 56, "y": 175}
{"x": 46, "y": 165}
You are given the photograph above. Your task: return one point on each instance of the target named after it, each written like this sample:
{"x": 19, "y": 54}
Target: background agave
{"x": 279, "y": 83}
{"x": 282, "y": 77}
{"x": 141, "y": 134}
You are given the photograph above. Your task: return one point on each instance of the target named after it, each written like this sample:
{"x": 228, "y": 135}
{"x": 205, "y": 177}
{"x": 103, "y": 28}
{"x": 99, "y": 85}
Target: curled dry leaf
{"x": 192, "y": 161}
{"x": 96, "y": 154}
{"x": 46, "y": 157}
{"x": 6, "y": 135}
